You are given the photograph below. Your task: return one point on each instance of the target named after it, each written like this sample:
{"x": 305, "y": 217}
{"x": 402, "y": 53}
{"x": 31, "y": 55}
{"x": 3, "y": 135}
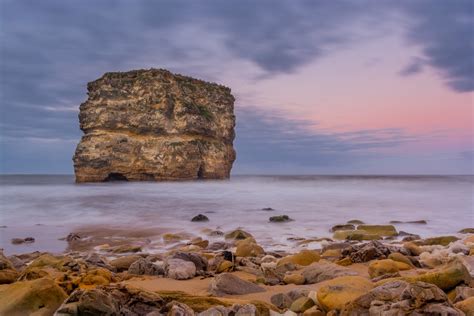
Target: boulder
{"x": 111, "y": 300}
{"x": 467, "y": 306}
{"x": 32, "y": 274}
{"x": 396, "y": 256}
{"x": 225, "y": 266}
{"x": 366, "y": 252}
{"x": 179, "y": 309}
{"x": 301, "y": 304}
{"x": 388, "y": 292}
{"x": 322, "y": 271}
{"x": 152, "y": 125}
{"x": 126, "y": 249}
{"x": 381, "y": 230}
{"x": 466, "y": 231}
{"x": 386, "y": 266}
{"x": 37, "y": 297}
{"x": 355, "y": 235}
{"x": 412, "y": 248}
{"x": 8, "y": 276}
{"x": 180, "y": 269}
{"x": 440, "y": 240}
{"x": 123, "y": 263}
{"x": 94, "y": 259}
{"x": 5, "y": 263}
{"x": 229, "y": 284}
{"x": 237, "y": 235}
{"x": 445, "y": 277}
{"x": 200, "y": 262}
{"x": 281, "y": 300}
{"x": 145, "y": 267}
{"x": 462, "y": 292}
{"x": 314, "y": 311}
{"x": 335, "y": 293}
{"x": 46, "y": 260}
{"x": 98, "y": 276}
{"x": 248, "y": 248}
{"x": 402, "y": 298}
{"x": 302, "y": 258}
{"x": 294, "y": 278}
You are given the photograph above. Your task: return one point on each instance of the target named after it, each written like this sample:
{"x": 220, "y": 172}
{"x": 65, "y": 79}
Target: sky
{"x": 321, "y": 87}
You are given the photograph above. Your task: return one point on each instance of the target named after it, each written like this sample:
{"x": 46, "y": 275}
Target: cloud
{"x": 414, "y": 67}
{"x": 50, "y": 49}
{"x": 264, "y": 138}
{"x": 445, "y": 32}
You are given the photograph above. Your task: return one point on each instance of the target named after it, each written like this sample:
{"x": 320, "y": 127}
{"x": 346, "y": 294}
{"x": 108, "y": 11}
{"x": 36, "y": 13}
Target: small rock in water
{"x": 267, "y": 209}
{"x": 72, "y": 237}
{"x": 466, "y": 231}
{"x": 343, "y": 227}
{"x": 280, "y": 219}
{"x": 200, "y": 218}
{"x": 355, "y": 221}
{"x": 409, "y": 222}
{"x": 19, "y": 241}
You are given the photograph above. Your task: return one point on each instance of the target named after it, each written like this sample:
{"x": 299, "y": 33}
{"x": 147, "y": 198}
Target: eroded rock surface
{"x": 154, "y": 125}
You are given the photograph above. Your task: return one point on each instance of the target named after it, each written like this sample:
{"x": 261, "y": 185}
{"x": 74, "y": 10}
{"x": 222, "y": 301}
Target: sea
{"x": 48, "y": 207}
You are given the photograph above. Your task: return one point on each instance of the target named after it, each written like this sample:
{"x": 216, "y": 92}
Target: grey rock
{"x": 226, "y": 283}
{"x": 180, "y": 269}
{"x": 144, "y": 267}
{"x": 321, "y": 271}
{"x": 199, "y": 261}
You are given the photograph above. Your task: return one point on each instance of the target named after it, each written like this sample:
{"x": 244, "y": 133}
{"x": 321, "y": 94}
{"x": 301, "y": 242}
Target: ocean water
{"x": 49, "y": 207}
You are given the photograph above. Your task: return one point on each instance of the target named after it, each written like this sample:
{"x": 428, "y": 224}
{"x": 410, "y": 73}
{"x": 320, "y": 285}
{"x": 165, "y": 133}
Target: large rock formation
{"x": 154, "y": 125}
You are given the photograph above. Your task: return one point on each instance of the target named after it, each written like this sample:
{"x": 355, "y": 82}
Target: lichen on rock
{"x": 154, "y": 125}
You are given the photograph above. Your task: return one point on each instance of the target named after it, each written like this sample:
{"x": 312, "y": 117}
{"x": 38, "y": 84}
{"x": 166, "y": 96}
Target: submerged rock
{"x": 381, "y": 230}
{"x": 280, "y": 219}
{"x": 154, "y": 125}
{"x": 19, "y": 241}
{"x": 238, "y": 234}
{"x": 200, "y": 218}
{"x": 342, "y": 227}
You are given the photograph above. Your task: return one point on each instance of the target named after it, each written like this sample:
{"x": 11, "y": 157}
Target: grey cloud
{"x": 50, "y": 49}
{"x": 264, "y": 138}
{"x": 445, "y": 32}
{"x": 414, "y": 67}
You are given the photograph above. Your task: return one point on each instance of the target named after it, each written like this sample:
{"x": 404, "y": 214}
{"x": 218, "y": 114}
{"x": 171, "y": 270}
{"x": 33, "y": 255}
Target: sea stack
{"x": 152, "y": 125}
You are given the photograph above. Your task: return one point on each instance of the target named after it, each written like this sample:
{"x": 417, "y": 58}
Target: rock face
{"x": 154, "y": 125}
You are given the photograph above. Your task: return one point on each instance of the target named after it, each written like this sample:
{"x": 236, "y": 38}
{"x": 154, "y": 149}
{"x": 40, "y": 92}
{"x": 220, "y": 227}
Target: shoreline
{"x": 192, "y": 274}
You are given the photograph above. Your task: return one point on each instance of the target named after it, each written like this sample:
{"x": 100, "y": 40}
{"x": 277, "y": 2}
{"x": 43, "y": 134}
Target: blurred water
{"x": 314, "y": 202}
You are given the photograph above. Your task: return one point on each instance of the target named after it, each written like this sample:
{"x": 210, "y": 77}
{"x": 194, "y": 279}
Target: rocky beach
{"x": 360, "y": 269}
